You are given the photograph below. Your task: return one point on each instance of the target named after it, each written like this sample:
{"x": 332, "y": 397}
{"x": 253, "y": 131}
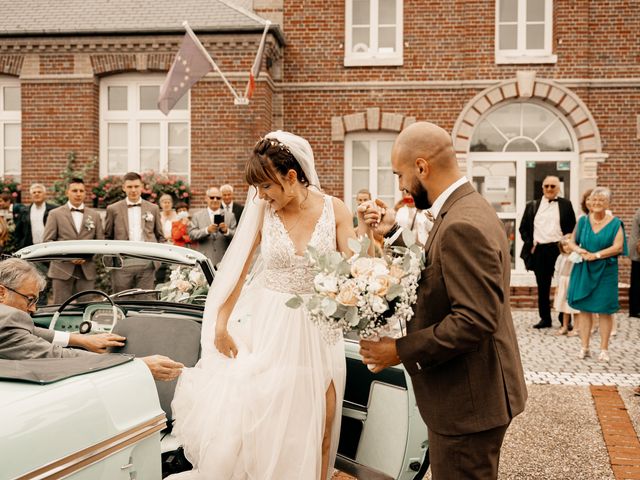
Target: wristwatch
{"x": 598, "y": 256}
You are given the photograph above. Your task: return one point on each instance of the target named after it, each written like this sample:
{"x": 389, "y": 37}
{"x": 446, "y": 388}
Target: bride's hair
{"x": 270, "y": 158}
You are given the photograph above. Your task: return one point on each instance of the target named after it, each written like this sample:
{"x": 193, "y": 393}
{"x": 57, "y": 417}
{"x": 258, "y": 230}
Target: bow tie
{"x": 81, "y": 210}
{"x": 129, "y": 205}
{"x": 553, "y": 200}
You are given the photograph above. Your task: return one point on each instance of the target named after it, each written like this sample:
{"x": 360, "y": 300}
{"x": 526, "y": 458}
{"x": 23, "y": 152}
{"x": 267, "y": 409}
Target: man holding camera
{"x": 212, "y": 228}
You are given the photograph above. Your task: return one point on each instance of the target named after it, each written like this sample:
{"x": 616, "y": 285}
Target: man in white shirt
{"x": 228, "y": 203}
{"x": 31, "y": 220}
{"x": 212, "y": 227}
{"x": 543, "y": 224}
{"x": 136, "y": 220}
{"x": 73, "y": 221}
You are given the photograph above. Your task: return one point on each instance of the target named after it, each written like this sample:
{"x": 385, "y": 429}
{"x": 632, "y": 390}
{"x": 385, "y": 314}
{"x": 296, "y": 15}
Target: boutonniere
{"x": 89, "y": 224}
{"x": 148, "y": 217}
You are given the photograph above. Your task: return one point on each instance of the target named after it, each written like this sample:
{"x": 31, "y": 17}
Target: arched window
{"x": 522, "y": 127}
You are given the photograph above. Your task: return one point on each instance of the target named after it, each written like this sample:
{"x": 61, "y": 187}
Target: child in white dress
{"x": 562, "y": 274}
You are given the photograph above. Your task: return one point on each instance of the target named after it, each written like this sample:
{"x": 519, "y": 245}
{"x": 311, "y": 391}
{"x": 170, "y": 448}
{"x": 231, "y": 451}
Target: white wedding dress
{"x": 262, "y": 414}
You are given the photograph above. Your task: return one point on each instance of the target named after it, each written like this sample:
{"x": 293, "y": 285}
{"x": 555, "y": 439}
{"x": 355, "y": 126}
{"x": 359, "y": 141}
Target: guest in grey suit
{"x": 73, "y": 221}
{"x": 20, "y": 286}
{"x": 213, "y": 236}
{"x": 138, "y": 220}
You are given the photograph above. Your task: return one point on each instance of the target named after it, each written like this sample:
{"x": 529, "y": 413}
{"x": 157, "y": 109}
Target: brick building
{"x": 527, "y": 88}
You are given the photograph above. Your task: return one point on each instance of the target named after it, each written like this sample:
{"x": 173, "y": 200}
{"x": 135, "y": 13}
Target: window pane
{"x": 12, "y": 135}
{"x": 387, "y": 12}
{"x": 117, "y": 97}
{"x": 361, "y": 155}
{"x": 149, "y": 135}
{"x": 117, "y": 136}
{"x": 361, "y": 11}
{"x": 536, "y": 120}
{"x": 150, "y": 159}
{"x": 386, "y": 184}
{"x": 359, "y": 179}
{"x": 183, "y": 103}
{"x": 508, "y": 119}
{"x": 178, "y": 135}
{"x": 556, "y": 139}
{"x": 535, "y": 10}
{"x": 384, "y": 153}
{"x": 178, "y": 160}
{"x": 535, "y": 37}
{"x": 11, "y": 99}
{"x": 508, "y": 37}
{"x": 360, "y": 39}
{"x": 508, "y": 10}
{"x": 149, "y": 97}
{"x": 521, "y": 145}
{"x": 387, "y": 39}
{"x": 117, "y": 162}
{"x": 496, "y": 182}
{"x": 12, "y": 162}
{"x": 486, "y": 139}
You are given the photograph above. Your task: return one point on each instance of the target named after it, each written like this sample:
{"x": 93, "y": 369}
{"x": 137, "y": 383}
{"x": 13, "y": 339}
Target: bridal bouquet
{"x": 369, "y": 295}
{"x": 185, "y": 285}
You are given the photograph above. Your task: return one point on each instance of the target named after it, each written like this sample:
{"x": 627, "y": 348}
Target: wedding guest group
{"x": 213, "y": 227}
{"x": 73, "y": 221}
{"x": 543, "y": 225}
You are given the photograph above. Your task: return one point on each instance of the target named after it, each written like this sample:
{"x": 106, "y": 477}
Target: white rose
{"x": 379, "y": 267}
{"x": 196, "y": 277}
{"x": 325, "y": 283}
{"x": 378, "y": 304}
{"x": 183, "y": 285}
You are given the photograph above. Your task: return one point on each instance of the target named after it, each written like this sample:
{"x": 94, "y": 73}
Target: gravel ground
{"x": 558, "y": 437}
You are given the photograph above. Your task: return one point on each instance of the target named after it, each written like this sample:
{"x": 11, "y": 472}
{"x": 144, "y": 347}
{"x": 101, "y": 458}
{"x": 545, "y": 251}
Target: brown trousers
{"x": 63, "y": 289}
{"x": 474, "y": 456}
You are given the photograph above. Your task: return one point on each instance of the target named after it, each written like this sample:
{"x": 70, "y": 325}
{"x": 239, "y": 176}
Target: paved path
{"x": 567, "y": 431}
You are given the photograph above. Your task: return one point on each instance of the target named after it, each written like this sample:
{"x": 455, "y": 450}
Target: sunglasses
{"x": 549, "y": 186}
{"x": 31, "y": 301}
{"x": 215, "y": 198}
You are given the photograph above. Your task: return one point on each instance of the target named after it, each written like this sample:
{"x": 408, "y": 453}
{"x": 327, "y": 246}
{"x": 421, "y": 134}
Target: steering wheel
{"x": 64, "y": 305}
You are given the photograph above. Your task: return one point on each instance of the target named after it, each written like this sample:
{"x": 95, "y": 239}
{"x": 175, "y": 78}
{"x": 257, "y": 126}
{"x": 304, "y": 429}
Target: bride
{"x": 264, "y": 401}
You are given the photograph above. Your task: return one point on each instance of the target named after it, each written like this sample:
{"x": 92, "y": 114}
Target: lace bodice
{"x": 284, "y": 270}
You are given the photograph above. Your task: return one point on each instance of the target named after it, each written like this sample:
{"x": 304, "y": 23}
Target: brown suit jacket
{"x": 116, "y": 225}
{"x": 60, "y": 226}
{"x": 461, "y": 348}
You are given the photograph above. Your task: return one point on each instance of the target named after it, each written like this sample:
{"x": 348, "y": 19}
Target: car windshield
{"x": 172, "y": 282}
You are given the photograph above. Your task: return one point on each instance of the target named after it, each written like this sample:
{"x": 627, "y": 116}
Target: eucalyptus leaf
{"x": 352, "y": 316}
{"x": 295, "y": 302}
{"x": 354, "y": 245}
{"x": 366, "y": 243}
{"x": 329, "y": 307}
{"x": 406, "y": 263}
{"x": 363, "y": 323}
{"x": 314, "y": 303}
{"x": 394, "y": 291}
{"x": 408, "y": 237}
{"x": 341, "y": 311}
{"x": 343, "y": 268}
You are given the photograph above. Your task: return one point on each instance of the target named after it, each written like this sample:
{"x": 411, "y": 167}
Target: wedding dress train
{"x": 262, "y": 414}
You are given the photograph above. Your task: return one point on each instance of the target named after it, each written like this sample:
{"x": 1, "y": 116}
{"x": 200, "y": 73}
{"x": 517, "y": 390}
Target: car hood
{"x": 61, "y": 250}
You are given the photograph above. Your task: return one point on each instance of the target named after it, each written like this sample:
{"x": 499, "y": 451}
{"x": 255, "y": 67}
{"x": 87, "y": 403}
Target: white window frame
{"x": 521, "y": 54}
{"x": 9, "y": 118}
{"x": 133, "y": 117}
{"x": 372, "y": 137}
{"x": 373, "y": 57}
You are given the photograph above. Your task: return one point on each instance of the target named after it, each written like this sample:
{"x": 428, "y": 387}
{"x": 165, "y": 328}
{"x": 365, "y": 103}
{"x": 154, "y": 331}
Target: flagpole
{"x": 267, "y": 24}
{"x": 237, "y": 99}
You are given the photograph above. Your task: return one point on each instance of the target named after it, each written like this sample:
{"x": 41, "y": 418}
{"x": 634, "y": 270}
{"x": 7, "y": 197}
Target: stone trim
{"x": 371, "y": 120}
{"x": 11, "y": 64}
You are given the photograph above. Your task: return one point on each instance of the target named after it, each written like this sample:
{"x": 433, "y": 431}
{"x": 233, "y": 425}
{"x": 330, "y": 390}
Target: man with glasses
{"x": 213, "y": 228}
{"x": 543, "y": 225}
{"x": 20, "y": 286}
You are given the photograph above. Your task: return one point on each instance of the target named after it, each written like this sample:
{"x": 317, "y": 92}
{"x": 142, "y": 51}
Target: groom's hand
{"x": 379, "y": 217}
{"x": 381, "y": 354}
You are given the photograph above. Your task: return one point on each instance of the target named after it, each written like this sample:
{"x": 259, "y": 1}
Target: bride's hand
{"x": 225, "y": 344}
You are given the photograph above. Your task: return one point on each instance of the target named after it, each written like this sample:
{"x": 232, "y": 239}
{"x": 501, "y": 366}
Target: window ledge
{"x": 502, "y": 59}
{"x": 372, "y": 61}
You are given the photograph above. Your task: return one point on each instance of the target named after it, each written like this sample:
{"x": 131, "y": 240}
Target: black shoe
{"x": 542, "y": 324}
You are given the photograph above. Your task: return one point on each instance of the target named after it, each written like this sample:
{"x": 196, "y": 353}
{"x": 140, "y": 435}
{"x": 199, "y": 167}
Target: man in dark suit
{"x": 31, "y": 220}
{"x": 461, "y": 348}
{"x": 228, "y": 203}
{"x": 543, "y": 224}
{"x": 137, "y": 220}
{"x": 20, "y": 339}
{"x": 73, "y": 221}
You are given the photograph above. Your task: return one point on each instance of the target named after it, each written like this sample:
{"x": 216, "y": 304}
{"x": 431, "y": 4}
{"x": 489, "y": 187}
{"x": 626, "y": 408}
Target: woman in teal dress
{"x": 593, "y": 288}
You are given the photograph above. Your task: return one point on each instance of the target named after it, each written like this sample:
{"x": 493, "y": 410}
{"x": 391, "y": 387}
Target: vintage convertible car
{"x": 76, "y": 416}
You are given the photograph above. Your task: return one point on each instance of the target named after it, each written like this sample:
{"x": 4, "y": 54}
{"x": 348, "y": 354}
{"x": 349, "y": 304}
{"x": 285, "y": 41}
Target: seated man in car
{"x": 20, "y": 339}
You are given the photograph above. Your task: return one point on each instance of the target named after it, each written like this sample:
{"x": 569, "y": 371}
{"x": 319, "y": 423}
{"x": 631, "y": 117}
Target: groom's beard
{"x": 420, "y": 195}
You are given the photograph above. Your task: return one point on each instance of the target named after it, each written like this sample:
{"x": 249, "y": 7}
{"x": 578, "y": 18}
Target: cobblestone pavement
{"x": 552, "y": 359}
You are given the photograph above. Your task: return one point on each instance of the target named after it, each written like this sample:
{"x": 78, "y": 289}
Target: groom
{"x": 461, "y": 349}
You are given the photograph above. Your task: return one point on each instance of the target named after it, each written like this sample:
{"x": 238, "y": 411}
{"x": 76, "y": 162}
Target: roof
{"x": 67, "y": 17}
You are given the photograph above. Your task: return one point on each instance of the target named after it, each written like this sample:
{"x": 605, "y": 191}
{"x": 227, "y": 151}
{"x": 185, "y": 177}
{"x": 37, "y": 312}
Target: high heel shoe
{"x": 562, "y": 331}
{"x": 604, "y": 356}
{"x": 584, "y": 353}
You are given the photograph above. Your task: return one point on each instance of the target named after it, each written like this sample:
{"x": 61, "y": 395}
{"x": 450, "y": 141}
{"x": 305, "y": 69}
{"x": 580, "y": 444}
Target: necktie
{"x": 81, "y": 210}
{"x": 134, "y": 205}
